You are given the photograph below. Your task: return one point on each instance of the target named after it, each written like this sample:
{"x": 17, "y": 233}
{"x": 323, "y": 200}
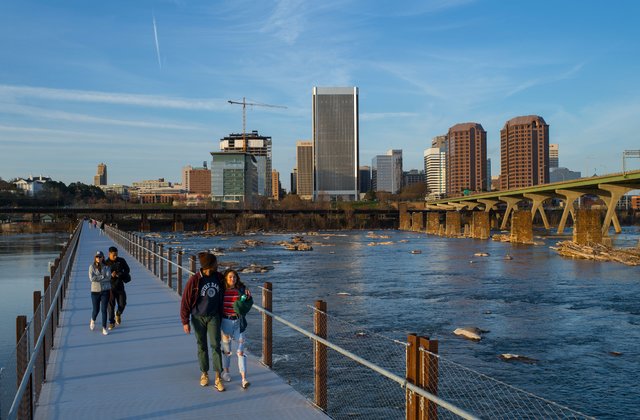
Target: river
{"x": 569, "y": 315}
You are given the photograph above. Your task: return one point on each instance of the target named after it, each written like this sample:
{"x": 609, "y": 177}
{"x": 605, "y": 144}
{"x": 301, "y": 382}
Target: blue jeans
{"x": 231, "y": 331}
{"x": 100, "y": 301}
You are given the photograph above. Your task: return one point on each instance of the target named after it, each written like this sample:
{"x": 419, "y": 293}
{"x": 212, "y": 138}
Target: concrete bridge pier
{"x": 145, "y": 226}
{"x": 433, "y": 222}
{"x": 521, "y": 227}
{"x": 587, "y": 228}
{"x": 178, "y": 225}
{"x": 611, "y": 200}
{"x": 453, "y": 223}
{"x": 512, "y": 206}
{"x": 569, "y": 198}
{"x": 537, "y": 206}
{"x": 405, "y": 217}
{"x": 417, "y": 221}
{"x": 480, "y": 227}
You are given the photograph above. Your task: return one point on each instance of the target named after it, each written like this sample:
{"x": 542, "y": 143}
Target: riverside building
{"x": 386, "y": 172}
{"x": 196, "y": 180}
{"x": 435, "y": 168}
{"x": 234, "y": 177}
{"x": 304, "y": 165}
{"x": 524, "y": 152}
{"x": 335, "y": 143}
{"x": 258, "y": 146}
{"x": 466, "y": 159}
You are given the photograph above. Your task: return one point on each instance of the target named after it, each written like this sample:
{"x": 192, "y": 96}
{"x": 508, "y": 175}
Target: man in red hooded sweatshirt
{"x": 202, "y": 303}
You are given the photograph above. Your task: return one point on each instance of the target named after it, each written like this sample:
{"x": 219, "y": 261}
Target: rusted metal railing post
{"x": 411, "y": 399}
{"x": 170, "y": 267}
{"x": 267, "y": 325}
{"x": 192, "y": 264}
{"x": 155, "y": 258}
{"x": 428, "y": 378}
{"x": 320, "y": 355}
{"x": 48, "y": 303}
{"x": 37, "y": 328}
{"x": 25, "y": 410}
{"x": 161, "y": 261}
{"x": 179, "y": 273}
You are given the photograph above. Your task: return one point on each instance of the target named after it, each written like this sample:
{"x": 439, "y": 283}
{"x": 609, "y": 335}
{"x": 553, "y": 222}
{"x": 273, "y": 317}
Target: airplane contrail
{"x": 155, "y": 34}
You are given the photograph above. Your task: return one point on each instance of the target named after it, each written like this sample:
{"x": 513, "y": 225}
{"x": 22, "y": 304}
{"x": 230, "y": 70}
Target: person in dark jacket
{"x": 202, "y": 302}
{"x": 237, "y": 302}
{"x": 119, "y": 276}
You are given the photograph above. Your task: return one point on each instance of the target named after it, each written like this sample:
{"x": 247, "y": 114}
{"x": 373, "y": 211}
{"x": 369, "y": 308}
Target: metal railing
{"x": 35, "y": 338}
{"x": 427, "y": 386}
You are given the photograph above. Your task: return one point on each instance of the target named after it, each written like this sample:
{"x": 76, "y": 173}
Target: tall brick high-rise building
{"x": 466, "y": 159}
{"x": 524, "y": 152}
{"x": 101, "y": 176}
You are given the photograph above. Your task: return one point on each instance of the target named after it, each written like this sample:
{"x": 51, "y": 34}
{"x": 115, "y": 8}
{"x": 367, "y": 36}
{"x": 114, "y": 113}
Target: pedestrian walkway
{"x": 146, "y": 367}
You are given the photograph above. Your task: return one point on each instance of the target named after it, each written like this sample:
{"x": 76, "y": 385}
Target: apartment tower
{"x": 435, "y": 169}
{"x": 466, "y": 159}
{"x": 524, "y": 152}
{"x": 335, "y": 143}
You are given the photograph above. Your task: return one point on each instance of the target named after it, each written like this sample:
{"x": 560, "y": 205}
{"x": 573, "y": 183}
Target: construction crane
{"x": 244, "y": 104}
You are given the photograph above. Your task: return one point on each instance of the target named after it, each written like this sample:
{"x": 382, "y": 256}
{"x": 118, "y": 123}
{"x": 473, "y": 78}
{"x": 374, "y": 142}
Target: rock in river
{"x": 470, "y": 333}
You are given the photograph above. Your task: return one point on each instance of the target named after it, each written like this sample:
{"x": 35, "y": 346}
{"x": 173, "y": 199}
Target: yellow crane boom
{"x": 244, "y": 104}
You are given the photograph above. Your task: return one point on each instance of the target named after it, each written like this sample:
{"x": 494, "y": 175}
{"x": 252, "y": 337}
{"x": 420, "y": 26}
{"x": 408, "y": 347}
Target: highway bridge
{"x": 609, "y": 188}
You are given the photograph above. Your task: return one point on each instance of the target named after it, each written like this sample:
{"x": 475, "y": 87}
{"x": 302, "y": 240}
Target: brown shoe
{"x": 204, "y": 379}
{"x": 219, "y": 385}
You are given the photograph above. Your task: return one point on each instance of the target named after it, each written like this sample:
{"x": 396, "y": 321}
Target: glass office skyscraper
{"x": 335, "y": 143}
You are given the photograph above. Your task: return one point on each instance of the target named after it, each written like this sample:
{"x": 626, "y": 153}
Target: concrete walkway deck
{"x": 146, "y": 367}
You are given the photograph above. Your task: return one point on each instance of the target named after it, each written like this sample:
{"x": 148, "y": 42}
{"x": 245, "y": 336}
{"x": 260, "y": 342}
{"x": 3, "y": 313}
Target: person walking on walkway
{"x": 237, "y": 303}
{"x": 119, "y": 276}
{"x": 99, "y": 275}
{"x": 201, "y": 304}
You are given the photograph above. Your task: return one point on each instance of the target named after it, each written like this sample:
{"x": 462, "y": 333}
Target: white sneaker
{"x": 105, "y": 332}
{"x": 226, "y": 377}
{"x": 92, "y": 325}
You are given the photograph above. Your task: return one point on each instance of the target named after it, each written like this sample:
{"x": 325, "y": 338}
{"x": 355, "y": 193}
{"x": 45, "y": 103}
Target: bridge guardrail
{"x": 355, "y": 371}
{"x": 35, "y": 338}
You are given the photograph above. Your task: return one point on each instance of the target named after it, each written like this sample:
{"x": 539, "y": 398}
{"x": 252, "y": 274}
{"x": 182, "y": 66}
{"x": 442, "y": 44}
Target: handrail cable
{"x": 398, "y": 379}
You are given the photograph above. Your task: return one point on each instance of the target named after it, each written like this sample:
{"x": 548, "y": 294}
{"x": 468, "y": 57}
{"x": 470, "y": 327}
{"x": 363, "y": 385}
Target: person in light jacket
{"x": 100, "y": 277}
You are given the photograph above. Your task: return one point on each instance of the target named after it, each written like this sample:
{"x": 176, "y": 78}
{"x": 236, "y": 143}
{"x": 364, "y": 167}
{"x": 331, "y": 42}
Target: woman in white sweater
{"x": 100, "y": 277}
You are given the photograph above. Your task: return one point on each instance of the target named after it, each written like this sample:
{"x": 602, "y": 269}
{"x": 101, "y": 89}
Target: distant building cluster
{"x": 327, "y": 166}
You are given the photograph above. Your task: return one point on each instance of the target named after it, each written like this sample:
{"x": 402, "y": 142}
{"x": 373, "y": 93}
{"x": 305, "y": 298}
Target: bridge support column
{"x": 210, "y": 223}
{"x": 488, "y": 204}
{"x": 537, "y": 206}
{"x": 178, "y": 226}
{"x": 405, "y": 217}
{"x": 433, "y": 222}
{"x": 569, "y": 198}
{"x": 480, "y": 227}
{"x": 145, "y": 226}
{"x": 417, "y": 221}
{"x": 453, "y": 223}
{"x": 587, "y": 228}
{"x": 521, "y": 227}
{"x": 615, "y": 192}
{"x": 512, "y": 206}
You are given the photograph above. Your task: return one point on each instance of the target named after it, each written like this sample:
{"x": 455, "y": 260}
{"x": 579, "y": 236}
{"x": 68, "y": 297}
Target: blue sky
{"x": 86, "y": 82}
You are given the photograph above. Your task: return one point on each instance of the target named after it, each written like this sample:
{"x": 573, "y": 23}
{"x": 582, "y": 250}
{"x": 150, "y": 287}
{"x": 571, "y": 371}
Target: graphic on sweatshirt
{"x": 210, "y": 290}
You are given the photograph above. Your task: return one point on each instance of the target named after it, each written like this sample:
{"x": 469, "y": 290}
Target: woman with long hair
{"x": 237, "y": 302}
{"x": 100, "y": 277}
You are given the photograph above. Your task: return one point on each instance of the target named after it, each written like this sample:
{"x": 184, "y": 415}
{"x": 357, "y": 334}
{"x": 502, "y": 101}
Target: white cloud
{"x": 151, "y": 101}
{"x": 35, "y": 112}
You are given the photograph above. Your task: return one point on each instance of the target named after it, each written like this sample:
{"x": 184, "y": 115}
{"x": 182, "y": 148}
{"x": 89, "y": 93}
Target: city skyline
{"x": 103, "y": 82}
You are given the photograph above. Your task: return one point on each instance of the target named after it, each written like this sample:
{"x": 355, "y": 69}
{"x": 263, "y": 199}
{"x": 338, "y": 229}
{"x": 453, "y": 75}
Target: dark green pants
{"x": 203, "y": 326}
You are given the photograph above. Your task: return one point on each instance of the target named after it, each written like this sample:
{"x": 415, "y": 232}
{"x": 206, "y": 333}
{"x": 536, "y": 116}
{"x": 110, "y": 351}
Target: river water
{"x": 569, "y": 315}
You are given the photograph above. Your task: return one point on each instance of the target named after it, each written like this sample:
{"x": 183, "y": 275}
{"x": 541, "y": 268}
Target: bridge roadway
{"x": 147, "y": 366}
